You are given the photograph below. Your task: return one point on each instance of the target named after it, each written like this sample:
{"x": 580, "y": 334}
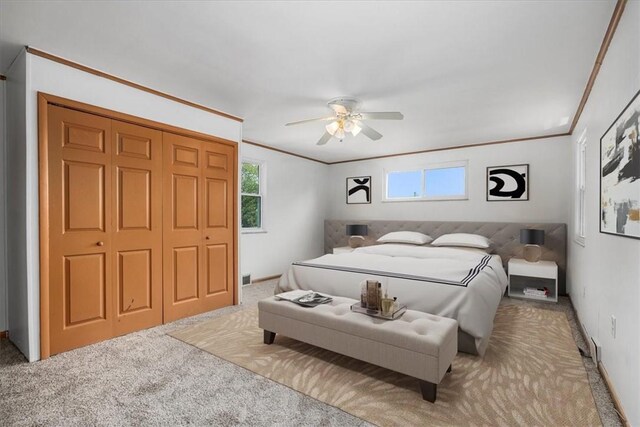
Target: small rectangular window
{"x": 404, "y": 184}
{"x": 252, "y": 195}
{"x": 446, "y": 181}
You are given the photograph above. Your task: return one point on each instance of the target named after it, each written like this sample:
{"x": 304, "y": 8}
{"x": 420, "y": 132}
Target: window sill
{"x": 424, "y": 199}
{"x": 253, "y": 231}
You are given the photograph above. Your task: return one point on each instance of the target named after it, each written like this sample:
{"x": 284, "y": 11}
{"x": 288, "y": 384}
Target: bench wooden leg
{"x": 428, "y": 390}
{"x": 269, "y": 337}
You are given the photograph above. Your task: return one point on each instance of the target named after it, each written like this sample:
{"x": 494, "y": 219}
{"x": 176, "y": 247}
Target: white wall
{"x": 295, "y": 209}
{"x": 4, "y": 308}
{"x": 16, "y": 202}
{"x": 549, "y": 174}
{"x": 604, "y": 276}
{"x": 41, "y": 75}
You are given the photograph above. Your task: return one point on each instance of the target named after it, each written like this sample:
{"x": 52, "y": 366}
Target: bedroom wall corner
{"x": 16, "y": 207}
{"x": 4, "y": 306}
{"x": 604, "y": 274}
{"x": 295, "y": 209}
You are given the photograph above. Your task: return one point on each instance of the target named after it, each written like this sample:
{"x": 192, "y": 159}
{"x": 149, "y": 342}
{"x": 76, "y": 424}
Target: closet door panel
{"x": 218, "y": 224}
{"x": 199, "y": 206}
{"x": 137, "y": 225}
{"x": 182, "y": 235}
{"x": 80, "y": 293}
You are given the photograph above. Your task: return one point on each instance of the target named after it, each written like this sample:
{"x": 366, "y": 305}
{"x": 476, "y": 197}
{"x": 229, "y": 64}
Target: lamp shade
{"x": 357, "y": 230}
{"x": 531, "y": 236}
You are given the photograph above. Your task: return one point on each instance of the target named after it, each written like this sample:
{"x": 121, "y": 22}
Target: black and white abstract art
{"x": 358, "y": 190}
{"x": 508, "y": 183}
{"x": 620, "y": 174}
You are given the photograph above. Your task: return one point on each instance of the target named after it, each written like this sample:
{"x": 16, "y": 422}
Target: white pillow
{"x": 410, "y": 237}
{"x": 462, "y": 239}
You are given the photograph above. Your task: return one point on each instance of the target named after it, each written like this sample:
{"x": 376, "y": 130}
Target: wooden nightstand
{"x": 342, "y": 250}
{"x": 541, "y": 274}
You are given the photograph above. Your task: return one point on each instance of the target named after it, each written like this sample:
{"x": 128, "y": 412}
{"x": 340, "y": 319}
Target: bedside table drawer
{"x": 546, "y": 270}
{"x": 343, "y": 250}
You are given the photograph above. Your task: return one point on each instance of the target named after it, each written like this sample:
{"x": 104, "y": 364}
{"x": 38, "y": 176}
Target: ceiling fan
{"x": 347, "y": 119}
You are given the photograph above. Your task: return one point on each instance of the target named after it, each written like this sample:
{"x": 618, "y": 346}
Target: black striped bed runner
{"x": 473, "y": 272}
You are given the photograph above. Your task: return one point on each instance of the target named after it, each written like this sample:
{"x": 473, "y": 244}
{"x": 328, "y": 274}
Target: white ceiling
{"x": 461, "y": 72}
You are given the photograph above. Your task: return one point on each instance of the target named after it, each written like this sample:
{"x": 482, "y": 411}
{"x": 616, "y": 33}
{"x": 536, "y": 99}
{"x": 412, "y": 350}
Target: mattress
{"x": 459, "y": 283}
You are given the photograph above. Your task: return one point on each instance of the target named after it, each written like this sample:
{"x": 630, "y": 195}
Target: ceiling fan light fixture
{"x": 355, "y": 130}
{"x": 332, "y": 128}
{"x": 339, "y": 133}
{"x": 348, "y": 126}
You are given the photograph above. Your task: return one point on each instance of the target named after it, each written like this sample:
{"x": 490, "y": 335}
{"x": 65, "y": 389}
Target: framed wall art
{"x": 358, "y": 190}
{"x": 508, "y": 183}
{"x": 620, "y": 174}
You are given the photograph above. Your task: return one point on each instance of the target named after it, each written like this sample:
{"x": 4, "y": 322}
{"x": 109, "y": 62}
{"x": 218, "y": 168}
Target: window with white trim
{"x": 252, "y": 193}
{"x": 580, "y": 187}
{"x": 443, "y": 181}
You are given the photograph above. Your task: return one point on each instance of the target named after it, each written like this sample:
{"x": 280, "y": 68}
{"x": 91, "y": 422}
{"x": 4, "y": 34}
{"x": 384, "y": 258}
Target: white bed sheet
{"x": 462, "y": 284}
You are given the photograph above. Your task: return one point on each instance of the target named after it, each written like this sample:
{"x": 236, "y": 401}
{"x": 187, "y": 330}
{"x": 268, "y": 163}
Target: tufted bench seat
{"x": 418, "y": 344}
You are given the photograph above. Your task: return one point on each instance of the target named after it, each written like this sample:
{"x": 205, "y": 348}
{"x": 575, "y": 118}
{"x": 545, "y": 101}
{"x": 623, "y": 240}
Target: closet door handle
{"x": 101, "y": 243}
{"x": 208, "y": 238}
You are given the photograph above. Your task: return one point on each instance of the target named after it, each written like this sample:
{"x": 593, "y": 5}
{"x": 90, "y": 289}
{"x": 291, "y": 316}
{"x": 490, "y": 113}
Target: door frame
{"x": 44, "y": 100}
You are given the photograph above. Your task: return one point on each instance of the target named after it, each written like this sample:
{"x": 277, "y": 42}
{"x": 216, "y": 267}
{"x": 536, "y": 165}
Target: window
{"x": 579, "y": 199}
{"x": 252, "y": 195}
{"x": 446, "y": 181}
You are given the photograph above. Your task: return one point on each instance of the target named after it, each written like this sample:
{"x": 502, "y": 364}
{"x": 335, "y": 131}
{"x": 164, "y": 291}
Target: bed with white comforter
{"x": 460, "y": 283}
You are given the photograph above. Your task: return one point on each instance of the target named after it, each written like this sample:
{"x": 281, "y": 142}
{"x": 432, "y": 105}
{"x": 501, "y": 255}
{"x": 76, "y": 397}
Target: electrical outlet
{"x": 613, "y": 326}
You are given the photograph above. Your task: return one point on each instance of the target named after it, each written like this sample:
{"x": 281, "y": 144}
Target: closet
{"x": 139, "y": 227}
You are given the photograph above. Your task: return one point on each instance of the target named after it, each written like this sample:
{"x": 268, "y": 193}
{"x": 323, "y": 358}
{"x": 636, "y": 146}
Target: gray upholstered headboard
{"x": 504, "y": 235}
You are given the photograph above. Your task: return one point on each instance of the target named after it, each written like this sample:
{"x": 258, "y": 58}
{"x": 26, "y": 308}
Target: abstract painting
{"x": 508, "y": 183}
{"x": 620, "y": 174}
{"x": 358, "y": 190}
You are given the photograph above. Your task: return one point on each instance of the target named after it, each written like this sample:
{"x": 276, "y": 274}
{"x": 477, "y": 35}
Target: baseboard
{"x": 583, "y": 331}
{"x": 614, "y": 396}
{"x": 603, "y": 372}
{"x": 4, "y": 334}
{"x": 264, "y": 279}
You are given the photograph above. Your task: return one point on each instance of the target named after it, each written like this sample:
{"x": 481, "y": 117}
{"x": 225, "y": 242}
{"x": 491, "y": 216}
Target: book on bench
{"x": 304, "y": 298}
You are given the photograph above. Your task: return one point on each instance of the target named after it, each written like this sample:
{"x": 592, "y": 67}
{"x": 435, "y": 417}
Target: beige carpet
{"x": 532, "y": 374}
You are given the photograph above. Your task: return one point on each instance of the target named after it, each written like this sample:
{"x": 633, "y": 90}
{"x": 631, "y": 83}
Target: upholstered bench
{"x": 417, "y": 344}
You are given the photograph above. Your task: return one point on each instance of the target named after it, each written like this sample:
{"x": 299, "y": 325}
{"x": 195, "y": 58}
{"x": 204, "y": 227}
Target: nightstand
{"x": 343, "y": 250}
{"x": 541, "y": 274}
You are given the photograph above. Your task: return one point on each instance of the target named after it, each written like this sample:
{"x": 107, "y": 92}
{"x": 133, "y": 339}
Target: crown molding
{"x": 457, "y": 147}
{"x": 268, "y": 147}
{"x": 604, "y": 47}
{"x": 63, "y": 61}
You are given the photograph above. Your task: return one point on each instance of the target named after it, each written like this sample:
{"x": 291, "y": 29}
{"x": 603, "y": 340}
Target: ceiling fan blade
{"x": 369, "y": 131}
{"x": 320, "y": 119}
{"x": 325, "y": 138}
{"x": 388, "y": 115}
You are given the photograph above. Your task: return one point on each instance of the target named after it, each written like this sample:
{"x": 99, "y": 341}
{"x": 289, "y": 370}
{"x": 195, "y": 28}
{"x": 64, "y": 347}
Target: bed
{"x": 461, "y": 283}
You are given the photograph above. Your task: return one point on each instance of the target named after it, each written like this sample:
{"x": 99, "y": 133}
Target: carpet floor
{"x": 531, "y": 365}
{"x": 150, "y": 378}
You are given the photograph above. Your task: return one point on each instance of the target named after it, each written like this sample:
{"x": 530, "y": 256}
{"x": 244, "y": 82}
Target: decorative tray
{"x": 377, "y": 313}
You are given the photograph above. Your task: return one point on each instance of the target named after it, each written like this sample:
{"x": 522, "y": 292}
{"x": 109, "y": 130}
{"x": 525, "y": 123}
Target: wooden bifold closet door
{"x": 105, "y": 189}
{"x": 111, "y": 271}
{"x": 198, "y": 226}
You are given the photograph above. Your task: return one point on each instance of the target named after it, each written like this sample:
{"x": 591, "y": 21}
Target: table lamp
{"x": 532, "y": 239}
{"x": 356, "y": 233}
